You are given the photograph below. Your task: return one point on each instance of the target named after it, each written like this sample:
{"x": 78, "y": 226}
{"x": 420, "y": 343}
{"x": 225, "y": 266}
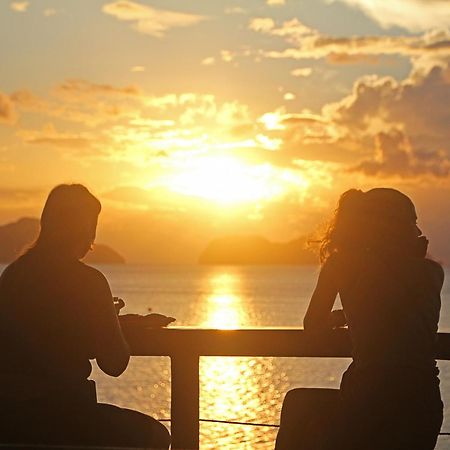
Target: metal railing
{"x": 184, "y": 346}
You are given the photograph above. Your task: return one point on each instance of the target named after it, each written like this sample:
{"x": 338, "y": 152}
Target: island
{"x": 16, "y": 237}
{"x": 251, "y": 249}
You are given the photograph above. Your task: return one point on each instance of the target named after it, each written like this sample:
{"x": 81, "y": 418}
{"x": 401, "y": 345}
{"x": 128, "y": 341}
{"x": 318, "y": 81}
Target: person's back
{"x": 392, "y": 305}
{"x": 56, "y": 314}
{"x": 47, "y": 329}
{"x": 392, "y": 308}
{"x": 373, "y": 257}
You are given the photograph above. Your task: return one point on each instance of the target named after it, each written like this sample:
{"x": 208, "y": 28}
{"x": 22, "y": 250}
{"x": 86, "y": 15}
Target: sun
{"x": 226, "y": 180}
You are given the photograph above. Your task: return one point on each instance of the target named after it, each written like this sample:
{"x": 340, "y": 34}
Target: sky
{"x": 193, "y": 120}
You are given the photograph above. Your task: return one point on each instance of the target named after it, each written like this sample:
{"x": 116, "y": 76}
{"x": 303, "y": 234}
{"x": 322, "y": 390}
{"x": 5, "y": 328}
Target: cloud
{"x": 309, "y": 43}
{"x": 301, "y": 72}
{"x": 275, "y": 2}
{"x": 8, "y": 113}
{"x": 138, "y": 69}
{"x": 12, "y": 199}
{"x": 19, "y": 6}
{"x": 79, "y": 89}
{"x": 407, "y": 119}
{"x": 49, "y": 136}
{"x": 262, "y": 24}
{"x": 208, "y": 61}
{"x": 417, "y": 105}
{"x": 26, "y": 100}
{"x": 416, "y": 15}
{"x": 148, "y": 20}
{"x": 394, "y": 156}
{"x": 345, "y": 58}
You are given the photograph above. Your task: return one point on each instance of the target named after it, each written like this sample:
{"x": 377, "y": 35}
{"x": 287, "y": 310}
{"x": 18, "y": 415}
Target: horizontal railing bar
{"x": 257, "y": 342}
{"x": 184, "y": 346}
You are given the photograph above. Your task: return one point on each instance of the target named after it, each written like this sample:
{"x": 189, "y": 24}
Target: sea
{"x": 232, "y": 389}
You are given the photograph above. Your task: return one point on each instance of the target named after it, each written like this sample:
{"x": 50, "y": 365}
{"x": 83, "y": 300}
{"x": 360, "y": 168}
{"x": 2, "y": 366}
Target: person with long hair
{"x": 374, "y": 257}
{"x": 56, "y": 313}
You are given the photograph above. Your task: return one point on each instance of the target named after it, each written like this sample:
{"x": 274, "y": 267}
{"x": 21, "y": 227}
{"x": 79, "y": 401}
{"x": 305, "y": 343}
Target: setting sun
{"x": 229, "y": 181}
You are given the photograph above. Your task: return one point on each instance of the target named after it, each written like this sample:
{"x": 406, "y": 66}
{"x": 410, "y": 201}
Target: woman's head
{"x": 381, "y": 219}
{"x": 69, "y": 220}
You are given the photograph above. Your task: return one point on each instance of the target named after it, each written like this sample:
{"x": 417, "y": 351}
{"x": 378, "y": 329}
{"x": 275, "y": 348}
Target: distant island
{"x": 252, "y": 249}
{"x": 15, "y": 237}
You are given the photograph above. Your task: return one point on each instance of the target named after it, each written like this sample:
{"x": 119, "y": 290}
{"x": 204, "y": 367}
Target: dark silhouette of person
{"x": 56, "y": 314}
{"x": 374, "y": 256}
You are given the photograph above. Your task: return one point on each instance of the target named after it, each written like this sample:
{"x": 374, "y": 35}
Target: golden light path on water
{"x": 236, "y": 389}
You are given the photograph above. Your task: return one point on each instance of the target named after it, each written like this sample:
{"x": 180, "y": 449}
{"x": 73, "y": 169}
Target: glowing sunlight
{"x": 228, "y": 181}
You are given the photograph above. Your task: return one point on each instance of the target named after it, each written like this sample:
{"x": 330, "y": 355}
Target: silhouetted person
{"x": 56, "y": 313}
{"x": 374, "y": 257}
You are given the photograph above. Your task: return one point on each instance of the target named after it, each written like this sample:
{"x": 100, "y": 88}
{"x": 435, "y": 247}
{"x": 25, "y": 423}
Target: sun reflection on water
{"x": 224, "y": 306}
{"x": 239, "y": 389}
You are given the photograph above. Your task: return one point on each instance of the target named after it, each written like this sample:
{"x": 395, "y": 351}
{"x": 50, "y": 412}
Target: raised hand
{"x": 118, "y": 304}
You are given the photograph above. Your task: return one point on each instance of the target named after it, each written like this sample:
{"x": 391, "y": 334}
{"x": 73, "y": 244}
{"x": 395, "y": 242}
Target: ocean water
{"x": 238, "y": 389}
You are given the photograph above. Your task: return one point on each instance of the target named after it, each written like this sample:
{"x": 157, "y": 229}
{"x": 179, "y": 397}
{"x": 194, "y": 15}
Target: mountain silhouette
{"x": 253, "y": 249}
{"x": 16, "y": 237}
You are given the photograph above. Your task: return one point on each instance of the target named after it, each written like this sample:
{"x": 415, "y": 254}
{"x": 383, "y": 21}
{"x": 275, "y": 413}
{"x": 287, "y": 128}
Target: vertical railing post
{"x": 185, "y": 401}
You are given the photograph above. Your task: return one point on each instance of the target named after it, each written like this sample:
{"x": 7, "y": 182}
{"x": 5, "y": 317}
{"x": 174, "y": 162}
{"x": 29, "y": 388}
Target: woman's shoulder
{"x": 423, "y": 271}
{"x": 91, "y": 274}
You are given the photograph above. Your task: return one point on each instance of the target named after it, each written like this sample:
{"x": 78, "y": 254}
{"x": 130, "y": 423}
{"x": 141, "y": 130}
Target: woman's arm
{"x": 318, "y": 317}
{"x": 111, "y": 349}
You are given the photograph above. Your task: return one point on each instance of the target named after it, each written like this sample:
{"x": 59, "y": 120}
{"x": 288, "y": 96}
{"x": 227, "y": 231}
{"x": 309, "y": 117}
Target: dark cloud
{"x": 417, "y": 105}
{"x": 394, "y": 156}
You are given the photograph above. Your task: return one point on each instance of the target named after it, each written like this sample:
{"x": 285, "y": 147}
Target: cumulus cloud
{"x": 417, "y": 15}
{"x": 19, "y": 6}
{"x": 7, "y": 110}
{"x": 148, "y": 20}
{"x": 262, "y": 24}
{"x": 394, "y": 156}
{"x": 417, "y": 105}
{"x": 407, "y": 119}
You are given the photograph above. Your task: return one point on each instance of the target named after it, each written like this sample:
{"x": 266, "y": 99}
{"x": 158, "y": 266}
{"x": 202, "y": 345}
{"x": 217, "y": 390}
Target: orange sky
{"x": 194, "y": 120}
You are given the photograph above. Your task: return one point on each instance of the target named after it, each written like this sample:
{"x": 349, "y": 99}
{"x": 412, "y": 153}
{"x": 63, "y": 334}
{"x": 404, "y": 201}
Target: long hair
{"x": 69, "y": 216}
{"x": 381, "y": 219}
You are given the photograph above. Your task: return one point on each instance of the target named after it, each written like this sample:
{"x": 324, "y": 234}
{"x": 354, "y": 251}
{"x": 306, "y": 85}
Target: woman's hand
{"x": 153, "y": 320}
{"x": 118, "y": 304}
